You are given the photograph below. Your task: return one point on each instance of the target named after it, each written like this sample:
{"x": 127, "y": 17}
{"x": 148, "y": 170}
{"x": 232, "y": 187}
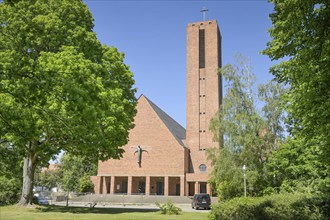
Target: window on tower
{"x": 202, "y": 48}
{"x": 202, "y": 168}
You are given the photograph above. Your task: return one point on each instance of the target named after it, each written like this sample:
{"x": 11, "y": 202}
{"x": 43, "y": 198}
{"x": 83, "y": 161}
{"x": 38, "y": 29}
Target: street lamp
{"x": 244, "y": 174}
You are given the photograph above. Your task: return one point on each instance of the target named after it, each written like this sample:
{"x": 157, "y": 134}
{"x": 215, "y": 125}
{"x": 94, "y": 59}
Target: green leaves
{"x": 226, "y": 174}
{"x": 297, "y": 166}
{"x": 300, "y": 35}
{"x": 75, "y": 172}
{"x": 168, "y": 208}
{"x": 250, "y": 135}
{"x": 60, "y": 88}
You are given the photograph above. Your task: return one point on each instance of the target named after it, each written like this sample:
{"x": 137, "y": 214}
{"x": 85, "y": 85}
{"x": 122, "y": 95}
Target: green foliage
{"x": 60, "y": 88}
{"x": 9, "y": 190}
{"x": 72, "y": 173}
{"x": 277, "y": 206}
{"x": 75, "y": 172}
{"x": 10, "y": 161}
{"x": 85, "y": 184}
{"x": 168, "y": 208}
{"x": 48, "y": 178}
{"x": 227, "y": 175}
{"x": 296, "y": 167}
{"x": 301, "y": 35}
{"x": 10, "y": 174}
{"x": 249, "y": 135}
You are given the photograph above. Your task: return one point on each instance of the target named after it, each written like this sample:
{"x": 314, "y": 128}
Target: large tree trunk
{"x": 28, "y": 176}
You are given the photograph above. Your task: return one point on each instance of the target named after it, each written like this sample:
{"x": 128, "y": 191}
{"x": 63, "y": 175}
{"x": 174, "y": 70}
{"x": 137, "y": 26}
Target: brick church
{"x": 162, "y": 157}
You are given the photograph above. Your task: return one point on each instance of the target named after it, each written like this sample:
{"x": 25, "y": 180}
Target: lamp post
{"x": 244, "y": 175}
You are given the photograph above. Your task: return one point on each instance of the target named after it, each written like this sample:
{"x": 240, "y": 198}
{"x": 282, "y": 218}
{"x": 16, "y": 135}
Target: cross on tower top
{"x": 204, "y": 10}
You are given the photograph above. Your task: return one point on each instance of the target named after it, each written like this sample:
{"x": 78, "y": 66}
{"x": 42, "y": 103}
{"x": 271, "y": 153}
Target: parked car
{"x": 42, "y": 201}
{"x": 201, "y": 200}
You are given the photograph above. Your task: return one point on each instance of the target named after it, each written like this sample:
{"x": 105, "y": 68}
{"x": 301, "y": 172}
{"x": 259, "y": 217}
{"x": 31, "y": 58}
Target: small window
{"x": 202, "y": 168}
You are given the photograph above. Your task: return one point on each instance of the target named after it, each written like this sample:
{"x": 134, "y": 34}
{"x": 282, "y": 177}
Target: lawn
{"x": 68, "y": 213}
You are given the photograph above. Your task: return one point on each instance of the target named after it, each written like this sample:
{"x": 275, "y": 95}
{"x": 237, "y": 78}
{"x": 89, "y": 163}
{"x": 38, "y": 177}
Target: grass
{"x": 76, "y": 213}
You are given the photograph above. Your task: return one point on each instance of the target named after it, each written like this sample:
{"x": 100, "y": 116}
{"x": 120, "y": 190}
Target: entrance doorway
{"x": 177, "y": 189}
{"x": 191, "y": 186}
{"x": 202, "y": 187}
{"x": 107, "y": 182}
{"x": 142, "y": 187}
{"x": 124, "y": 187}
{"x": 160, "y": 188}
{"x": 120, "y": 184}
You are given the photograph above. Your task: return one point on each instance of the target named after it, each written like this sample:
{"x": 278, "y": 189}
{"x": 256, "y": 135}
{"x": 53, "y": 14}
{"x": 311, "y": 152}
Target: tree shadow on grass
{"x": 87, "y": 210}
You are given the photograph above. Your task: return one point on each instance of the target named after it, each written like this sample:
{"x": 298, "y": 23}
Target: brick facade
{"x": 171, "y": 163}
{"x": 204, "y": 94}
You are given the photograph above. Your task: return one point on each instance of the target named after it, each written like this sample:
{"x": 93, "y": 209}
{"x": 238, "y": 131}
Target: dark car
{"x": 40, "y": 200}
{"x": 201, "y": 200}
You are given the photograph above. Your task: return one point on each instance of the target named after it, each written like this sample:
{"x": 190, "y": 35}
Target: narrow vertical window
{"x": 201, "y": 48}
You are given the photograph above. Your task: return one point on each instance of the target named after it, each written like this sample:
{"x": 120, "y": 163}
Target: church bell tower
{"x": 204, "y": 87}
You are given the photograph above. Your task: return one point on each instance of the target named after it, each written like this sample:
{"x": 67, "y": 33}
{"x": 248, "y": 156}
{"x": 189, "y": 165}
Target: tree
{"x": 296, "y": 168}
{"x": 47, "y": 178}
{"x": 250, "y": 135}
{"x": 72, "y": 173}
{"x": 227, "y": 174}
{"x": 75, "y": 172}
{"x": 300, "y": 35}
{"x": 60, "y": 89}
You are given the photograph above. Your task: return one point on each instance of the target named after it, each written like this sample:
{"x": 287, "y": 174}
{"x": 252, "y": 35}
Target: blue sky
{"x": 152, "y": 34}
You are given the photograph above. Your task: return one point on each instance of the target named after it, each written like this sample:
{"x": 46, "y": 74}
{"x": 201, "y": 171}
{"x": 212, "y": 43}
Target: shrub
{"x": 168, "y": 208}
{"x": 277, "y": 206}
{"x": 9, "y": 190}
{"x": 85, "y": 184}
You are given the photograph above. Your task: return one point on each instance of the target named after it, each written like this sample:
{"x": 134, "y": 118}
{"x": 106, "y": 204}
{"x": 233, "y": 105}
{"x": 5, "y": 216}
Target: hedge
{"x": 277, "y": 206}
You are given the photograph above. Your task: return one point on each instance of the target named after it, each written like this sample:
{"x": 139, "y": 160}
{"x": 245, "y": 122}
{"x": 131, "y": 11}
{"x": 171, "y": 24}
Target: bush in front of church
{"x": 168, "y": 208}
{"x": 276, "y": 206}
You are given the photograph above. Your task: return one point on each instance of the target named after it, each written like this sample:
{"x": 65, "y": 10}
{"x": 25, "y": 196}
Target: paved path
{"x": 130, "y": 201}
{"x": 184, "y": 207}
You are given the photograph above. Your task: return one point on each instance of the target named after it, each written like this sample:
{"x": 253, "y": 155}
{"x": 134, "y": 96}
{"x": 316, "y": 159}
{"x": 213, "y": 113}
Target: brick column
{"x": 182, "y": 186}
{"x": 166, "y": 186}
{"x": 104, "y": 188}
{"x": 101, "y": 184}
{"x": 208, "y": 189}
{"x": 98, "y": 185}
{"x": 147, "y": 185}
{"x": 129, "y": 185}
{"x": 112, "y": 185}
{"x": 196, "y": 187}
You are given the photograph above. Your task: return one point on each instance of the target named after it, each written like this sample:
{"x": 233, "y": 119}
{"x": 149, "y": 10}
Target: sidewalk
{"x": 149, "y": 206}
{"x": 133, "y": 199}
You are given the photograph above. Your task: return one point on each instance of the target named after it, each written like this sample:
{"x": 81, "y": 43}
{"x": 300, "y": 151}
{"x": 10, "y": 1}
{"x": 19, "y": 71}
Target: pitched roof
{"x": 174, "y": 127}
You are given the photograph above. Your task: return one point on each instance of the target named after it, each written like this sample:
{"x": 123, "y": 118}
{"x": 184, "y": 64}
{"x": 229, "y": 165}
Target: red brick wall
{"x": 203, "y": 93}
{"x": 164, "y": 156}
